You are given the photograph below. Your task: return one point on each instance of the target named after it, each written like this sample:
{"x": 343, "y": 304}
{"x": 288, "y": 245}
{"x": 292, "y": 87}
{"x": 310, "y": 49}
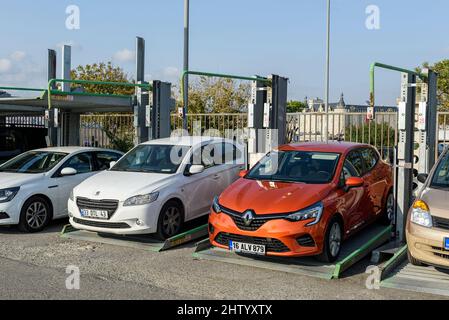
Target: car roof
{"x": 331, "y": 146}
{"x": 184, "y": 141}
{"x": 74, "y": 149}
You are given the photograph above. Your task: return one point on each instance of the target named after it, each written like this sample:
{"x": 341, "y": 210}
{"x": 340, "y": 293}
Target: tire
{"x": 332, "y": 241}
{"x": 388, "y": 212}
{"x": 35, "y": 215}
{"x": 171, "y": 219}
{"x": 413, "y": 261}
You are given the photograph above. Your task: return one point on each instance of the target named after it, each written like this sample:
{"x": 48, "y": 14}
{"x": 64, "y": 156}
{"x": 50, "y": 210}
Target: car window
{"x": 33, "y": 162}
{"x": 370, "y": 158}
{"x": 440, "y": 179}
{"x": 356, "y": 161}
{"x": 348, "y": 172}
{"x": 82, "y": 163}
{"x": 104, "y": 158}
{"x": 230, "y": 153}
{"x": 205, "y": 155}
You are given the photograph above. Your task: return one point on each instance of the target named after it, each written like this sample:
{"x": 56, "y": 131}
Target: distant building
{"x": 318, "y": 105}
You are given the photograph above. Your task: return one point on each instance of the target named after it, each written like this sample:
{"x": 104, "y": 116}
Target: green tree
{"x": 102, "y": 72}
{"x": 217, "y": 95}
{"x": 442, "y": 68}
{"x": 295, "y": 106}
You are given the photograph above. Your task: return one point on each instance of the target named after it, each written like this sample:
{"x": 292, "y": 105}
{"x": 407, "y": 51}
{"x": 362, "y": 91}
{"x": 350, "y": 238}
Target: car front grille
{"x": 271, "y": 245}
{"x": 108, "y": 205}
{"x": 441, "y": 223}
{"x": 255, "y": 224}
{"x": 102, "y": 224}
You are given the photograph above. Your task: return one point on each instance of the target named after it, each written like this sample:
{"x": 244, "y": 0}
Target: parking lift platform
{"x": 398, "y": 273}
{"x": 136, "y": 242}
{"x": 353, "y": 250}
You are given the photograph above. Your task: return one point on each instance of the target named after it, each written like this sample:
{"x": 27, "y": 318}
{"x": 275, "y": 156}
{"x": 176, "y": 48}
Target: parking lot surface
{"x": 34, "y": 267}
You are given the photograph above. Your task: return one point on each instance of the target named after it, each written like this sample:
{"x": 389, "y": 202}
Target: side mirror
{"x": 354, "y": 182}
{"x": 196, "y": 169}
{"x": 112, "y": 163}
{"x": 422, "y": 177}
{"x": 68, "y": 172}
{"x": 243, "y": 173}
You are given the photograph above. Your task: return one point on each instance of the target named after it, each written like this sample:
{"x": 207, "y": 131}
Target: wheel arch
{"x": 180, "y": 203}
{"x": 46, "y": 198}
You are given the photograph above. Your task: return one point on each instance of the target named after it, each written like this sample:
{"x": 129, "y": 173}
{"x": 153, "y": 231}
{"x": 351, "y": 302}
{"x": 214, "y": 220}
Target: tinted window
{"x": 296, "y": 166}
{"x": 33, "y": 162}
{"x": 105, "y": 158}
{"x": 348, "y": 171}
{"x": 206, "y": 155}
{"x": 355, "y": 159}
{"x": 370, "y": 158}
{"x": 82, "y": 163}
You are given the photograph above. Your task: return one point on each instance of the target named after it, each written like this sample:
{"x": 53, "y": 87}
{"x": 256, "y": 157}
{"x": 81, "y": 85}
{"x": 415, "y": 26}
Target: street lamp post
{"x": 186, "y": 63}
{"x": 326, "y": 131}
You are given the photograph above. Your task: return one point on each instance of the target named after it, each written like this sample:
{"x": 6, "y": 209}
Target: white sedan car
{"x": 35, "y": 186}
{"x": 156, "y": 187}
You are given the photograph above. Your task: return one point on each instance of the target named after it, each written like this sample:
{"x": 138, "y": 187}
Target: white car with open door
{"x": 157, "y": 187}
{"x": 35, "y": 186}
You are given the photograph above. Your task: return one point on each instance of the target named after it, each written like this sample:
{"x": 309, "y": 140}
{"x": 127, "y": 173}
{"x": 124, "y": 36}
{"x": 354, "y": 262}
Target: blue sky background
{"x": 247, "y": 37}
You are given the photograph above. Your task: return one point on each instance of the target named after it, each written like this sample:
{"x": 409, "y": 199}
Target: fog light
{"x": 139, "y": 222}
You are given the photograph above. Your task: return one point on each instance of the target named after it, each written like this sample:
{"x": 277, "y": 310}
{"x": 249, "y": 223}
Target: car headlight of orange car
{"x": 313, "y": 212}
{"x": 216, "y": 205}
{"x": 421, "y": 214}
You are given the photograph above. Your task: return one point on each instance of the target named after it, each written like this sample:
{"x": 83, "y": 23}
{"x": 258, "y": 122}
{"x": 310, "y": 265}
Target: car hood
{"x": 437, "y": 200}
{"x": 118, "y": 185}
{"x": 265, "y": 197}
{"x": 11, "y": 180}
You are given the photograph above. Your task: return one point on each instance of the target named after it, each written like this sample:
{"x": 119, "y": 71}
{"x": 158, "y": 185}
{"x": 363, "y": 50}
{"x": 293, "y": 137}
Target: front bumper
{"x": 280, "y": 236}
{"x": 123, "y": 221}
{"x": 427, "y": 244}
{"x": 12, "y": 211}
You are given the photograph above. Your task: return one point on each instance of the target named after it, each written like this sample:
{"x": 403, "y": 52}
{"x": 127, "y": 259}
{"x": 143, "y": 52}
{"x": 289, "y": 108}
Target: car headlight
{"x": 314, "y": 212}
{"x": 216, "y": 205}
{"x": 421, "y": 214}
{"x": 71, "y": 197}
{"x": 141, "y": 199}
{"x": 7, "y": 195}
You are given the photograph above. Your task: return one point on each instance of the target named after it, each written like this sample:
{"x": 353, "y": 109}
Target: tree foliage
{"x": 442, "y": 68}
{"x": 102, "y": 72}
{"x": 217, "y": 95}
{"x": 295, "y": 106}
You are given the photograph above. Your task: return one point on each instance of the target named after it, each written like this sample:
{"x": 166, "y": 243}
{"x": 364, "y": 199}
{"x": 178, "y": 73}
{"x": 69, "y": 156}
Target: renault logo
{"x": 248, "y": 218}
{"x": 97, "y": 193}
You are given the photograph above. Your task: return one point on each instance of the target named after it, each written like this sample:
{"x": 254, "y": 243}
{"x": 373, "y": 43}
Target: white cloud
{"x": 5, "y": 65}
{"x": 171, "y": 72}
{"x": 124, "y": 55}
{"x": 18, "y": 55}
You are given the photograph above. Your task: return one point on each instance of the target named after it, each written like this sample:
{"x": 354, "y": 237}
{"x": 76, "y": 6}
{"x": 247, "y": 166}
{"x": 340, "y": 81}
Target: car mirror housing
{"x": 243, "y": 173}
{"x": 354, "y": 182}
{"x": 68, "y": 172}
{"x": 196, "y": 169}
{"x": 422, "y": 177}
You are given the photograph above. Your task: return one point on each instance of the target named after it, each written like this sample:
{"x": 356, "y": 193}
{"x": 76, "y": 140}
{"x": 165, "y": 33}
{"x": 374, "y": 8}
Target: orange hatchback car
{"x": 303, "y": 200}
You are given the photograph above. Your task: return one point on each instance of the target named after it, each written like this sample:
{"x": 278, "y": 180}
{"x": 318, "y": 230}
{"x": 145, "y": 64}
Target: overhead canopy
{"x": 71, "y": 103}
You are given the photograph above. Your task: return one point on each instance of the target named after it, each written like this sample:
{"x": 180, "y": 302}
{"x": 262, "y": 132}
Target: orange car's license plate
{"x": 249, "y": 248}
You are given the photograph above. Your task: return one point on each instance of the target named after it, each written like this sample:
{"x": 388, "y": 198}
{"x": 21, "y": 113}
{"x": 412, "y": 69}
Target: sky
{"x": 243, "y": 37}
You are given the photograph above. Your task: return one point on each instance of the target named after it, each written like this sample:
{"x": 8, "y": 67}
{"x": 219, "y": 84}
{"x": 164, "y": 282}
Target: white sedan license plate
{"x": 249, "y": 248}
{"x": 95, "y": 214}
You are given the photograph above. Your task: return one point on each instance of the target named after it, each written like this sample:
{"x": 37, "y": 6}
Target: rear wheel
{"x": 35, "y": 215}
{"x": 332, "y": 241}
{"x": 412, "y": 260}
{"x": 388, "y": 214}
{"x": 170, "y": 220}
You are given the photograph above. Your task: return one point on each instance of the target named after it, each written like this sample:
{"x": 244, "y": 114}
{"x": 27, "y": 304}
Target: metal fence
{"x": 22, "y": 121}
{"x": 98, "y": 130}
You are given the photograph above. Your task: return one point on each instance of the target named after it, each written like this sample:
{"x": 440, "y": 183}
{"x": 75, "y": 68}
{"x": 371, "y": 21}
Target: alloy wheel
{"x": 36, "y": 215}
{"x": 390, "y": 207}
{"x": 171, "y": 221}
{"x": 335, "y": 239}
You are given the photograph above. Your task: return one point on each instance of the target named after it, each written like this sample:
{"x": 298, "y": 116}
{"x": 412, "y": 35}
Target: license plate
{"x": 446, "y": 243}
{"x": 95, "y": 214}
{"x": 249, "y": 248}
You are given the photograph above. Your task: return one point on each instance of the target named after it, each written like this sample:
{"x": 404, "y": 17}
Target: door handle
{"x": 53, "y": 187}
{"x": 216, "y": 177}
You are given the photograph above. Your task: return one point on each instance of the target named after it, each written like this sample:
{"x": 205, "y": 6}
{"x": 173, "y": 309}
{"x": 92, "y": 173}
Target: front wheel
{"x": 35, "y": 215}
{"x": 332, "y": 241}
{"x": 388, "y": 214}
{"x": 413, "y": 261}
{"x": 170, "y": 220}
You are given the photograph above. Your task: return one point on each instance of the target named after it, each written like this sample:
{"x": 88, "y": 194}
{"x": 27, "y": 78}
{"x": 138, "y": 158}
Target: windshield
{"x": 153, "y": 158}
{"x": 296, "y": 166}
{"x": 33, "y": 162}
{"x": 441, "y": 177}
